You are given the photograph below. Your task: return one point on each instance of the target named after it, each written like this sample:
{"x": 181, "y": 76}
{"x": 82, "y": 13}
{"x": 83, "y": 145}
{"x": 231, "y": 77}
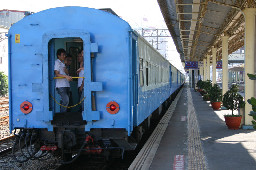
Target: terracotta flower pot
{"x": 216, "y": 105}
{"x": 233, "y": 122}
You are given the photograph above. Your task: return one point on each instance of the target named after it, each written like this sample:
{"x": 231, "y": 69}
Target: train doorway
{"x": 70, "y": 41}
{"x": 72, "y": 46}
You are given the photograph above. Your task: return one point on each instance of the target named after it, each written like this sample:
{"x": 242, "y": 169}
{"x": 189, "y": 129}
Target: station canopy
{"x": 197, "y": 26}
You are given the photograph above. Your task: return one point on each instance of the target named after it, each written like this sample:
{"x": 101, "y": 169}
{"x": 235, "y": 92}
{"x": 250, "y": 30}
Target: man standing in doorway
{"x": 62, "y": 84}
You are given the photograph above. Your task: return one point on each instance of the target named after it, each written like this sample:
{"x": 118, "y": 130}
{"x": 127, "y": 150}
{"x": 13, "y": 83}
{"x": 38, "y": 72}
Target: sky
{"x": 138, "y": 13}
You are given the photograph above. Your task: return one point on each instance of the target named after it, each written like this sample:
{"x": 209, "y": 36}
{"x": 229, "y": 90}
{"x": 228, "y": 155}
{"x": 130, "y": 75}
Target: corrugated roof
{"x": 197, "y": 25}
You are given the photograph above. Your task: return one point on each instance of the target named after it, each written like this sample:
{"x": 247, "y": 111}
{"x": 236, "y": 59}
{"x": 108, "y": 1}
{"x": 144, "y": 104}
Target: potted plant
{"x": 199, "y": 85}
{"x": 206, "y": 97}
{"x": 207, "y": 85}
{"x": 215, "y": 97}
{"x": 232, "y": 101}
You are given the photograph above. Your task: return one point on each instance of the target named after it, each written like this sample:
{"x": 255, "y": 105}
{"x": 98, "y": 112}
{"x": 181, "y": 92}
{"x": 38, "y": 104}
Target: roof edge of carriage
{"x": 145, "y": 41}
{"x": 105, "y": 11}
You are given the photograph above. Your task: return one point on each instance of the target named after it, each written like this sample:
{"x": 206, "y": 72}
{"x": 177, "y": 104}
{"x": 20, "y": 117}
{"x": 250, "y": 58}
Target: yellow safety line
{"x": 64, "y": 77}
{"x": 67, "y": 106}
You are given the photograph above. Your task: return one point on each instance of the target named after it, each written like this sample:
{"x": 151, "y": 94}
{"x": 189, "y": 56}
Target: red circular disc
{"x": 114, "y": 111}
{"x": 22, "y": 107}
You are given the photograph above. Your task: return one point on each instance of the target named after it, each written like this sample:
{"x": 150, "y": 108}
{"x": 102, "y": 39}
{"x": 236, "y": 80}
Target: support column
{"x": 201, "y": 72}
{"x": 208, "y": 67}
{"x": 196, "y": 75}
{"x": 183, "y": 64}
{"x": 214, "y": 66}
{"x": 224, "y": 64}
{"x": 230, "y": 77}
{"x": 190, "y": 78}
{"x": 249, "y": 14}
{"x": 205, "y": 69}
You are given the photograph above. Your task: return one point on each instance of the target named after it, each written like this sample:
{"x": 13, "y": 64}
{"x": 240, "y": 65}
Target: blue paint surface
{"x": 105, "y": 35}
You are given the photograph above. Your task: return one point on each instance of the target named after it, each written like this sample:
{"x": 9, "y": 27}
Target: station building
{"x": 7, "y": 19}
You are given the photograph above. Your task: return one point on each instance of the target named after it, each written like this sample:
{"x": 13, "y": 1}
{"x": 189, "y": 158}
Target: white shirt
{"x": 60, "y": 67}
{"x": 80, "y": 80}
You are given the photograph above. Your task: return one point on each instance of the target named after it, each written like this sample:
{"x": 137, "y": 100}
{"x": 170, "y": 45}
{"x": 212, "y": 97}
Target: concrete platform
{"x": 197, "y": 138}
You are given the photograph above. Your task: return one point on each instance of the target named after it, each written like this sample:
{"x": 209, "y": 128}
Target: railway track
{"x": 6, "y": 139}
{"x": 4, "y": 117}
{"x": 6, "y": 145}
{"x": 4, "y": 105}
{"x": 4, "y": 120}
{"x": 4, "y": 127}
{"x": 7, "y": 160}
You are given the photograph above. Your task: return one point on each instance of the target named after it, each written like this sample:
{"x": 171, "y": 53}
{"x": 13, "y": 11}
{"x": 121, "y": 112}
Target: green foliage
{"x": 232, "y": 100}
{"x": 251, "y": 76}
{"x": 215, "y": 93}
{"x": 199, "y": 84}
{"x": 3, "y": 84}
{"x": 206, "y": 97}
{"x": 232, "y": 115}
{"x": 254, "y": 123}
{"x": 252, "y": 101}
{"x": 207, "y": 85}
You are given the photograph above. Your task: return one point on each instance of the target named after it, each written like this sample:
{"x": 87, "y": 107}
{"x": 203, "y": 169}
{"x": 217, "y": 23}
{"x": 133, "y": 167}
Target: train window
{"x": 146, "y": 73}
{"x": 172, "y": 77}
{"x": 150, "y": 74}
{"x": 141, "y": 73}
{"x": 161, "y": 75}
{"x": 156, "y": 73}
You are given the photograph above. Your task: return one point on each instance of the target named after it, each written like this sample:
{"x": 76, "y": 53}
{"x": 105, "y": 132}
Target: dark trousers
{"x": 64, "y": 95}
{"x": 81, "y": 96}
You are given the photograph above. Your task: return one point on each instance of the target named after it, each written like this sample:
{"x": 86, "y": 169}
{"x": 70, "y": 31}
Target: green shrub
{"x": 252, "y": 101}
{"x": 199, "y": 84}
{"x": 3, "y": 84}
{"x": 215, "y": 93}
{"x": 232, "y": 100}
{"x": 207, "y": 85}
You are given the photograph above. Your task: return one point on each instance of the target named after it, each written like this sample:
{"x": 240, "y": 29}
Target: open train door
{"x": 48, "y": 52}
{"x": 170, "y": 80}
{"x": 134, "y": 80}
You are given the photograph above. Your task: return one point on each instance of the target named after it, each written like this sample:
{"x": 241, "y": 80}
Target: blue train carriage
{"x": 158, "y": 79}
{"x": 159, "y": 82}
{"x": 117, "y": 98}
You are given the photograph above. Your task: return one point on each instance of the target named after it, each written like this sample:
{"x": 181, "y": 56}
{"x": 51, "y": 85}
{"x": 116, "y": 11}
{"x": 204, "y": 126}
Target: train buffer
{"x": 196, "y": 137}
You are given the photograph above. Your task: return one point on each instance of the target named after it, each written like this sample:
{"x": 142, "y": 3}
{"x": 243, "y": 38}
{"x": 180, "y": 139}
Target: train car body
{"x": 120, "y": 68}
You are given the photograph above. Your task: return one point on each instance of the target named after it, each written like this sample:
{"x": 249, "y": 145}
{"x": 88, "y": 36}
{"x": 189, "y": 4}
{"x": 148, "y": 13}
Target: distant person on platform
{"x": 62, "y": 84}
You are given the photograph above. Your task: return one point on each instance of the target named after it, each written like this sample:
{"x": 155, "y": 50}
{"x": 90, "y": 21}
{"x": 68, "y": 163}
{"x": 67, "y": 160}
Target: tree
{"x": 3, "y": 84}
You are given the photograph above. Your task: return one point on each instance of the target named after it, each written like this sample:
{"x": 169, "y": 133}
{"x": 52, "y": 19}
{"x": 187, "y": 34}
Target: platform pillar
{"x": 213, "y": 66}
{"x": 224, "y": 64}
{"x": 208, "y": 67}
{"x": 205, "y": 69}
{"x": 249, "y": 67}
{"x": 201, "y": 70}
